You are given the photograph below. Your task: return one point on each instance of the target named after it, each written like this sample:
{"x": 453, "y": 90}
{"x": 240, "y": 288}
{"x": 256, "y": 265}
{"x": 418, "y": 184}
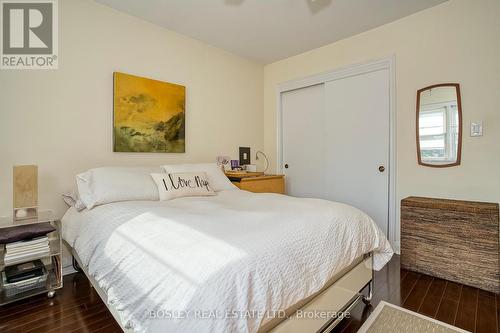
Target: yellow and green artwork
{"x": 148, "y": 115}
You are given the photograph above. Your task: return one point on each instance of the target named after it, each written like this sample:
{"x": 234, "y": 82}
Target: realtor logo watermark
{"x": 29, "y": 34}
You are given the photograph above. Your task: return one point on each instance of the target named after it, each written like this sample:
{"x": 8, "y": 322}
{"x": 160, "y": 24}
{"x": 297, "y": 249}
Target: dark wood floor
{"x": 78, "y": 308}
{"x": 75, "y": 308}
{"x": 459, "y": 305}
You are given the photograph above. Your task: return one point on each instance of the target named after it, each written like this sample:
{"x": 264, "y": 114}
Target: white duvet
{"x": 218, "y": 264}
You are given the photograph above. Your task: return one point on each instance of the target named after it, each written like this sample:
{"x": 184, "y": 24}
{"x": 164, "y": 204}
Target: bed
{"x": 234, "y": 262}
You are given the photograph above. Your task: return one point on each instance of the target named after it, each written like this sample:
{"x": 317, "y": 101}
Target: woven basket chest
{"x": 451, "y": 239}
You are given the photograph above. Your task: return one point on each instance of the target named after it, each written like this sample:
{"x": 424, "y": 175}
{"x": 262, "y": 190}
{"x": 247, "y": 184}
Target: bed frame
{"x": 314, "y": 314}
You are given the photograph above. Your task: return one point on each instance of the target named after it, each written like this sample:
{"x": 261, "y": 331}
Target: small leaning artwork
{"x": 148, "y": 115}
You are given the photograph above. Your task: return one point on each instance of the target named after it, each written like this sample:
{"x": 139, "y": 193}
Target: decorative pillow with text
{"x": 186, "y": 184}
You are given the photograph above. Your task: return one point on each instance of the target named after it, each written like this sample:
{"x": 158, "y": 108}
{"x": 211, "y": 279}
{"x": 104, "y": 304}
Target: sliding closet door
{"x": 357, "y": 116}
{"x": 304, "y": 141}
{"x": 335, "y": 142}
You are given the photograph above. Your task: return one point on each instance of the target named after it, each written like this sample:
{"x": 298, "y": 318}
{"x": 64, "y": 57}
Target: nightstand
{"x": 52, "y": 262}
{"x": 258, "y": 182}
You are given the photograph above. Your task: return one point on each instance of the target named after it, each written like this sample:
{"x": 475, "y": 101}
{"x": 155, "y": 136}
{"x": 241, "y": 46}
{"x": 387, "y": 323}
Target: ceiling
{"x": 269, "y": 30}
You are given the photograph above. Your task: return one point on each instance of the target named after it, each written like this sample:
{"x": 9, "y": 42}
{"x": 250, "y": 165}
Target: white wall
{"x": 61, "y": 120}
{"x": 457, "y": 41}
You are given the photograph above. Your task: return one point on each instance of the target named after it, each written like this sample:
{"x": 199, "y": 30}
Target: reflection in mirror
{"x": 439, "y": 125}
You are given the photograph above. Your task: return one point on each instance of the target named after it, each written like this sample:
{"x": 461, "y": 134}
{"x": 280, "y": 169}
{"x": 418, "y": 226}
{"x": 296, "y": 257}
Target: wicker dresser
{"x": 453, "y": 240}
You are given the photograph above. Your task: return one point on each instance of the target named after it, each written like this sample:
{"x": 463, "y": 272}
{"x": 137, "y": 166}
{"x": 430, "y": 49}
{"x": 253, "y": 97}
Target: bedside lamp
{"x": 257, "y": 158}
{"x": 25, "y": 192}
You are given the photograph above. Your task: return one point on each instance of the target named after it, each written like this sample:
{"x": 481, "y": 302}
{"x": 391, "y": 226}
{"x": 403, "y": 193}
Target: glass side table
{"x": 52, "y": 261}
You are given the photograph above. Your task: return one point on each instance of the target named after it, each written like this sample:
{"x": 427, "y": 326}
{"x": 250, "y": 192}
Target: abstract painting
{"x": 149, "y": 115}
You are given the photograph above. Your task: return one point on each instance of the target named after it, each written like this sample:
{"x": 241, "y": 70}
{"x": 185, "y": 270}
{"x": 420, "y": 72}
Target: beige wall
{"x": 61, "y": 120}
{"x": 458, "y": 41}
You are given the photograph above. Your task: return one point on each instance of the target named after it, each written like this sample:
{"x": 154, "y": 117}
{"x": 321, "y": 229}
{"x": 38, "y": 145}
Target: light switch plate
{"x": 245, "y": 155}
{"x": 476, "y": 128}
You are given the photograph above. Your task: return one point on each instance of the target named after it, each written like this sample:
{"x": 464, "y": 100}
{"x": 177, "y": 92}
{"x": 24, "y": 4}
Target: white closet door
{"x": 357, "y": 116}
{"x": 335, "y": 136}
{"x": 303, "y": 141}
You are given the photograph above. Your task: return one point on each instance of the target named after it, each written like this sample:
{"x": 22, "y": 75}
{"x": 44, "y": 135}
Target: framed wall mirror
{"x": 439, "y": 125}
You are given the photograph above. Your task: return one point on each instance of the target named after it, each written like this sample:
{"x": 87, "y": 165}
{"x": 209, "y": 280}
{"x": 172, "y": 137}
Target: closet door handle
{"x": 381, "y": 168}
{"x": 286, "y": 166}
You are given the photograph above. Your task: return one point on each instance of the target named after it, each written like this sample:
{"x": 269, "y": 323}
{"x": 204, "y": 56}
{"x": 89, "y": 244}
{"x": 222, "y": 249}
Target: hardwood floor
{"x": 75, "y": 308}
{"x": 459, "y": 305}
{"x": 78, "y": 308}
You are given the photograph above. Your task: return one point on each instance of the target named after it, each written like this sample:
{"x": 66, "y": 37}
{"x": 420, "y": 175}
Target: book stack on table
{"x": 26, "y": 250}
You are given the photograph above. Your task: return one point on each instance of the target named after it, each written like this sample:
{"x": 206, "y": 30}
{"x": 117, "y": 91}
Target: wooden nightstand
{"x": 52, "y": 261}
{"x": 258, "y": 182}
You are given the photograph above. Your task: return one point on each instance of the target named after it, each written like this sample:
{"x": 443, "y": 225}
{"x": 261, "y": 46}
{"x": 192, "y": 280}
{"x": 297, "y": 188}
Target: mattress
{"x": 217, "y": 264}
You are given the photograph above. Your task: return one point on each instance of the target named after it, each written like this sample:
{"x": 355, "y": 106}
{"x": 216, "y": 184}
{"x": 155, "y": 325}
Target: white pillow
{"x": 216, "y": 178}
{"x": 111, "y": 184}
{"x": 177, "y": 185}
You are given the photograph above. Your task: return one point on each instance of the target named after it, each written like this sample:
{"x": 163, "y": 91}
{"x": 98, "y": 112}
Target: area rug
{"x": 389, "y": 318}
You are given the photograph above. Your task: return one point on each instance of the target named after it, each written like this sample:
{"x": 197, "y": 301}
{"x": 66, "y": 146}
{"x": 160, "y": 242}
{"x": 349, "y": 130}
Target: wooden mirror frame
{"x": 459, "y": 107}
